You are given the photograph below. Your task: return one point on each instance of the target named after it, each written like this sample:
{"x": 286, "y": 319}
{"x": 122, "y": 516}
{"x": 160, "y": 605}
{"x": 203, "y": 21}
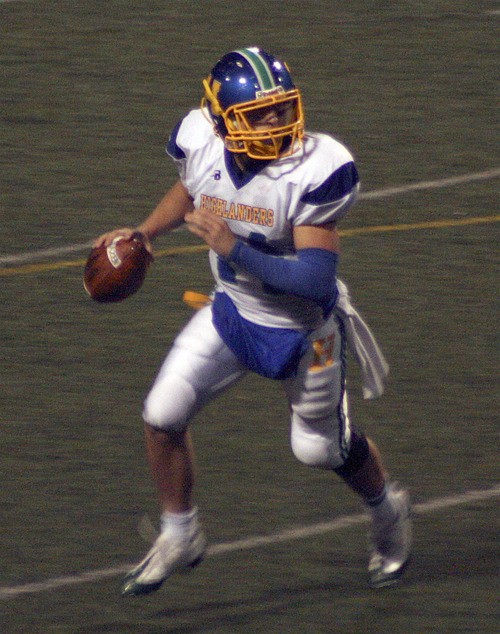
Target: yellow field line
{"x": 64, "y": 264}
{"x": 196, "y": 248}
{"x": 37, "y": 268}
{"x": 432, "y": 224}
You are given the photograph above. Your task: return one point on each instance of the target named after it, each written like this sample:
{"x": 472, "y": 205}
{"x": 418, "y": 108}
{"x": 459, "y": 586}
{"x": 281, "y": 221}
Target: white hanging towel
{"x": 362, "y": 343}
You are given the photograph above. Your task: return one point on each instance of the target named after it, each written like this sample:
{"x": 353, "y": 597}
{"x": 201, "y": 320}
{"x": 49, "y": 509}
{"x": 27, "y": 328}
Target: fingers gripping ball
{"x": 115, "y": 272}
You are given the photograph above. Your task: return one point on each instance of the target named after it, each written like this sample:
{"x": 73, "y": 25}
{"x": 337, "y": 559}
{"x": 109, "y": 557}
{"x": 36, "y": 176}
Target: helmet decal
{"x": 215, "y": 87}
{"x": 260, "y": 94}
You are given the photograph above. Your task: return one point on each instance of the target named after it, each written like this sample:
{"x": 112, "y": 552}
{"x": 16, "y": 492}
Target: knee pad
{"x": 170, "y": 404}
{"x": 359, "y": 451}
{"x": 312, "y": 452}
{"x": 316, "y": 447}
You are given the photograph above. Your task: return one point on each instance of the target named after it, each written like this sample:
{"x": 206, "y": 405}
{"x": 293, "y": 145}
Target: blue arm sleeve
{"x": 311, "y": 275}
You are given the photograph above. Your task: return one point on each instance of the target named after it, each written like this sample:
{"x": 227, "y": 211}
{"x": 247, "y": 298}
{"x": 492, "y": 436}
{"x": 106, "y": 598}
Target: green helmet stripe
{"x": 259, "y": 66}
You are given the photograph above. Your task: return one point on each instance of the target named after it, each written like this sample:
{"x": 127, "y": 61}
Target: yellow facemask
{"x": 267, "y": 128}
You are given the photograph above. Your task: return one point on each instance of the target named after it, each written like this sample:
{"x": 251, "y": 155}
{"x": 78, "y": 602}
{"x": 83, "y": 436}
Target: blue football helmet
{"x": 254, "y": 105}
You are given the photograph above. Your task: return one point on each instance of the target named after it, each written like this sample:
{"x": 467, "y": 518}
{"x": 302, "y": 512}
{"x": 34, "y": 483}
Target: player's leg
{"x": 322, "y": 436}
{"x": 171, "y": 461}
{"x": 389, "y": 506}
{"x": 198, "y": 367}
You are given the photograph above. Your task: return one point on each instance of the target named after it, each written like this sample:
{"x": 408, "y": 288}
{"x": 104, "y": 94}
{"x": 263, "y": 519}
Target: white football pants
{"x": 200, "y": 366}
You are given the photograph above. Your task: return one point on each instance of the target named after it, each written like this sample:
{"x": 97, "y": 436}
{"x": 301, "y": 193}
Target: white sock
{"x": 382, "y": 508}
{"x": 178, "y": 524}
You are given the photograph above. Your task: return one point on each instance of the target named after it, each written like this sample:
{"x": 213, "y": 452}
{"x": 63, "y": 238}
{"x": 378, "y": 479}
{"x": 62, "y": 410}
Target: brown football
{"x": 115, "y": 272}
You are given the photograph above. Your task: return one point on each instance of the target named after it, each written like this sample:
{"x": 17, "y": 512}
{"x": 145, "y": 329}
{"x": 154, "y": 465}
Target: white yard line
{"x": 304, "y": 532}
{"x": 434, "y": 184}
{"x": 24, "y": 258}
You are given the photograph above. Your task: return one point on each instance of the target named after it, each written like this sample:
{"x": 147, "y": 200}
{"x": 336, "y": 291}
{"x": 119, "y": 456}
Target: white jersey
{"x": 314, "y": 186}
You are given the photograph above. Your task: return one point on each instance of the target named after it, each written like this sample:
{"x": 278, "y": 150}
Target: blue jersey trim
{"x": 172, "y": 148}
{"x": 336, "y": 186}
{"x": 241, "y": 178}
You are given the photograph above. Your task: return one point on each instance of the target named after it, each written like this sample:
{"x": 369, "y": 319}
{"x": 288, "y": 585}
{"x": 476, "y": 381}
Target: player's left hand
{"x": 212, "y": 229}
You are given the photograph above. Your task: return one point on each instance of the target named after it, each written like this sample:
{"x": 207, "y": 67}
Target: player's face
{"x": 265, "y": 129}
{"x": 275, "y": 116}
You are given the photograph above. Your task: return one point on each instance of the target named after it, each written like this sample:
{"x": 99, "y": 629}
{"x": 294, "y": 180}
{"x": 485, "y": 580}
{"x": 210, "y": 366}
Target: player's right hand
{"x": 212, "y": 229}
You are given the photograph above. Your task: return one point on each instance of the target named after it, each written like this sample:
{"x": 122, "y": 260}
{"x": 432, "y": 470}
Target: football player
{"x": 266, "y": 196}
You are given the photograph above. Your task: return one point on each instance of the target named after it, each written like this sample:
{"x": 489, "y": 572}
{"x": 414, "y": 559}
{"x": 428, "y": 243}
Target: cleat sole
{"x": 387, "y": 580}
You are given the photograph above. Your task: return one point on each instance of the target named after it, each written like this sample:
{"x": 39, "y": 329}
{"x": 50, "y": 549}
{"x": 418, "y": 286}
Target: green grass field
{"x": 89, "y": 91}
